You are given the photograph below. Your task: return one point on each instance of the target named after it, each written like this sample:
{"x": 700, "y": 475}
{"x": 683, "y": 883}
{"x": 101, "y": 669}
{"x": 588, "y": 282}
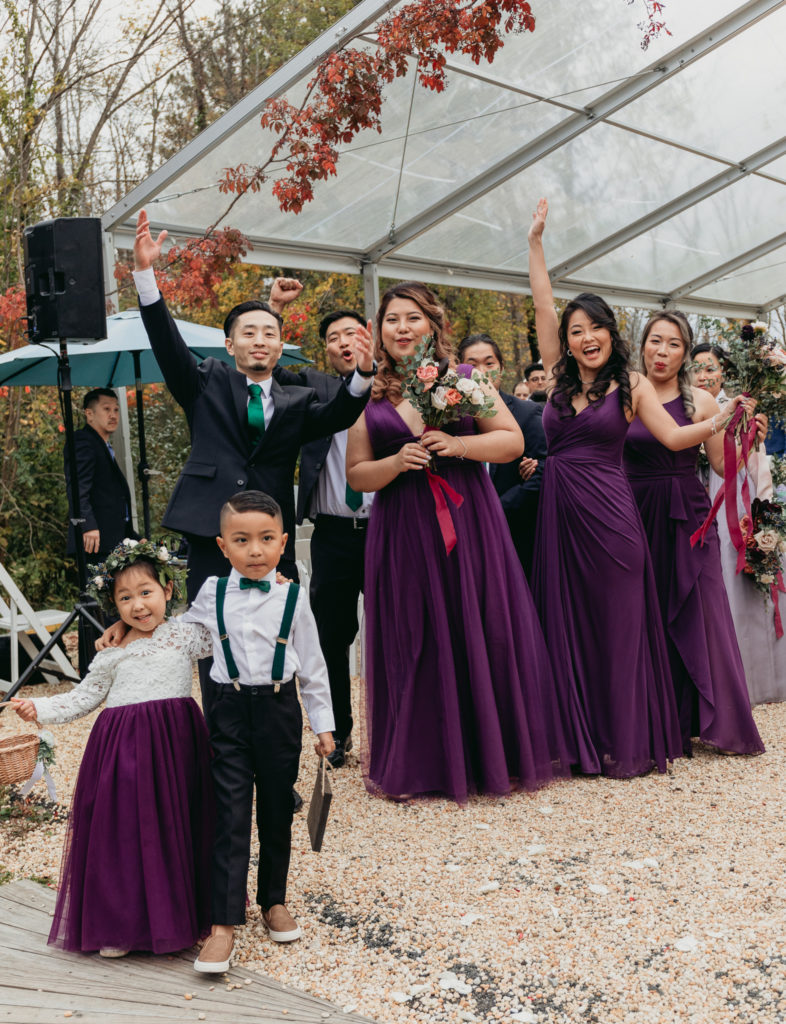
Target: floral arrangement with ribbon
{"x": 765, "y": 532}
{"x": 442, "y": 393}
{"x": 44, "y": 760}
{"x": 128, "y": 551}
{"x": 757, "y": 368}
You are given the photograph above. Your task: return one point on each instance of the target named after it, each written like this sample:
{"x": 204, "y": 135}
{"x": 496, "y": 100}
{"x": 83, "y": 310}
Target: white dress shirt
{"x": 253, "y": 620}
{"x": 329, "y": 496}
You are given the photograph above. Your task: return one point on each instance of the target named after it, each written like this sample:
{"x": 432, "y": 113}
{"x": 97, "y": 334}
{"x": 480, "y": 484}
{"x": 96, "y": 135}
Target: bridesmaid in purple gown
{"x": 458, "y": 680}
{"x": 706, "y": 667}
{"x": 593, "y": 579}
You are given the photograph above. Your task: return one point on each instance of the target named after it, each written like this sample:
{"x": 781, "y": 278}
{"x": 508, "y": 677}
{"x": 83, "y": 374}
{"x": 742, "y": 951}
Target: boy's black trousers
{"x": 256, "y": 736}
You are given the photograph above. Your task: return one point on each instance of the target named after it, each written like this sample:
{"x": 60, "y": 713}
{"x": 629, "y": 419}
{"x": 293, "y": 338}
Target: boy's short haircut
{"x": 338, "y": 314}
{"x": 249, "y": 307}
{"x": 251, "y": 501}
{"x": 93, "y": 396}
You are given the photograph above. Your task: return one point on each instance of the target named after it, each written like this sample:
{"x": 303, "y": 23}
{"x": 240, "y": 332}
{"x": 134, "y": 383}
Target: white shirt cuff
{"x": 147, "y": 289}
{"x": 359, "y": 385}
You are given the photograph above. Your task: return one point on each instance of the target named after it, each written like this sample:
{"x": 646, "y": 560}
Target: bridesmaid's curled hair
{"x": 567, "y": 381}
{"x": 387, "y": 383}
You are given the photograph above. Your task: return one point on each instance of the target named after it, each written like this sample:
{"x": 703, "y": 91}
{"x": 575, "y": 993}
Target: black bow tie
{"x": 246, "y": 584}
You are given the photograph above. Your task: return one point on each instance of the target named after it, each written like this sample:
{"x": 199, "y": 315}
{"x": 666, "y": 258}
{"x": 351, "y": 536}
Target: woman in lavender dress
{"x": 593, "y": 580}
{"x": 706, "y": 667}
{"x": 458, "y": 680}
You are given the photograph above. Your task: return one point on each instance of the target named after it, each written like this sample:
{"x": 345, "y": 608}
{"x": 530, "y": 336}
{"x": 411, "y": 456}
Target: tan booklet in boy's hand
{"x": 319, "y": 808}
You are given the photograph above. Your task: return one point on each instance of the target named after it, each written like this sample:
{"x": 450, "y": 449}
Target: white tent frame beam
{"x": 353, "y": 23}
{"x": 728, "y": 267}
{"x": 604, "y": 106}
{"x": 676, "y": 206}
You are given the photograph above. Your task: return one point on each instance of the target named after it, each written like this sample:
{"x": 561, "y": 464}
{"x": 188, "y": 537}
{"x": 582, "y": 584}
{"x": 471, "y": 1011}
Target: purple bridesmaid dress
{"x": 706, "y": 667}
{"x": 459, "y": 686}
{"x": 595, "y": 591}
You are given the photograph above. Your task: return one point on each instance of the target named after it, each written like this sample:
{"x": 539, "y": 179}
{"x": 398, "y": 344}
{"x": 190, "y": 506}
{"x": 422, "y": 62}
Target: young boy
{"x": 263, "y": 634}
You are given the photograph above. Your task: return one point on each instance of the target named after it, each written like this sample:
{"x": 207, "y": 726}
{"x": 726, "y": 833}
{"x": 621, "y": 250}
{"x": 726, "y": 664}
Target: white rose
{"x": 47, "y": 737}
{"x": 767, "y": 540}
{"x": 98, "y": 582}
{"x": 782, "y": 545}
{"x": 162, "y": 554}
{"x": 130, "y": 543}
{"x": 767, "y": 577}
{"x": 477, "y": 397}
{"x": 438, "y": 399}
{"x": 465, "y": 386}
{"x": 757, "y": 325}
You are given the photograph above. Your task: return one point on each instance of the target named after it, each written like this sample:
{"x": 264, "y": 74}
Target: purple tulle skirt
{"x": 136, "y": 863}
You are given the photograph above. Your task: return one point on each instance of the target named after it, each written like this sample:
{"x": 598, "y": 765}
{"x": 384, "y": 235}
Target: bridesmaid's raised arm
{"x": 546, "y": 321}
{"x": 647, "y": 406}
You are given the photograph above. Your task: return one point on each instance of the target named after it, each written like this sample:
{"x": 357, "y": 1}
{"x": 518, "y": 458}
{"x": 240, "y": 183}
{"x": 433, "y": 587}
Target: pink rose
{"x": 452, "y": 396}
{"x": 428, "y": 374}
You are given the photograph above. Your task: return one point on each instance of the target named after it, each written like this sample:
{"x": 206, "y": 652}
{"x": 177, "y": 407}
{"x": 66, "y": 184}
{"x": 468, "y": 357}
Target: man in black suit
{"x": 246, "y": 430}
{"x": 340, "y": 517}
{"x": 518, "y": 482}
{"x": 104, "y": 497}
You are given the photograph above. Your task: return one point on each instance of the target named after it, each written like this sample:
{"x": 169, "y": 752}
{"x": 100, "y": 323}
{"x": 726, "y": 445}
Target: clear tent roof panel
{"x": 651, "y": 190}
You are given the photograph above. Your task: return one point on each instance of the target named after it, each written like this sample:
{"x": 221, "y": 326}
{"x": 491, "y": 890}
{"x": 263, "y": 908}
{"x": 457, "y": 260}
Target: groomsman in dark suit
{"x": 246, "y": 430}
{"x": 518, "y": 482}
{"x": 339, "y": 514}
{"x": 104, "y": 497}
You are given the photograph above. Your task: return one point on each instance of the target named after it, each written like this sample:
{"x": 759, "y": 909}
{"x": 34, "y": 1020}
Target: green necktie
{"x": 353, "y": 498}
{"x": 256, "y": 414}
{"x": 247, "y": 584}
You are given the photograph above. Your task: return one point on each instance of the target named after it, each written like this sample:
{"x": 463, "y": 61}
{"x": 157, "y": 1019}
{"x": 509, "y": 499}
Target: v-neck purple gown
{"x": 458, "y": 680}
{"x": 595, "y": 592}
{"x": 706, "y": 667}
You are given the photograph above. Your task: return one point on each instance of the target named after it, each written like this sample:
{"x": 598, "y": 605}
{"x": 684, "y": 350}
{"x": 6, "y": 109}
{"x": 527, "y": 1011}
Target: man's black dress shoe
{"x": 297, "y": 800}
{"x": 339, "y": 756}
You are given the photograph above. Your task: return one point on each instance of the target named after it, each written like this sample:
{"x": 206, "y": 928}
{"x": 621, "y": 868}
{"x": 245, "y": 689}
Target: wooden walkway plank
{"x": 40, "y": 984}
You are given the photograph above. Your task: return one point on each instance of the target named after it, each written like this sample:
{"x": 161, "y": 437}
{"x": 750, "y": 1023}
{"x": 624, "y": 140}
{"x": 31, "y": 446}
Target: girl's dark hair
{"x": 480, "y": 339}
{"x": 567, "y": 382}
{"x": 680, "y": 321}
{"x": 387, "y": 382}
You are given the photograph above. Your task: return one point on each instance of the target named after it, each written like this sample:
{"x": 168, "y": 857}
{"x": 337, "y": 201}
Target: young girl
{"x": 135, "y": 868}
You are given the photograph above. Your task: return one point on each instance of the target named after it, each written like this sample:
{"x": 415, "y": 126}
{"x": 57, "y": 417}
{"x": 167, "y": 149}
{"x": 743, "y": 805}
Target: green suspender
{"x": 283, "y": 635}
{"x": 281, "y": 640}
{"x": 221, "y": 589}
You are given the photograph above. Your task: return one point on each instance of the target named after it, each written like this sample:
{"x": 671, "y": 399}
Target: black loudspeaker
{"x": 64, "y": 280}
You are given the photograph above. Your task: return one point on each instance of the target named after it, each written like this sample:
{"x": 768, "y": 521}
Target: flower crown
{"x": 122, "y": 557}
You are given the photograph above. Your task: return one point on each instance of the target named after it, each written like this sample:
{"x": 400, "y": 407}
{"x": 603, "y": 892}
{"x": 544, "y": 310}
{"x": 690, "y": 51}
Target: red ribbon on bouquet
{"x": 439, "y": 488}
{"x": 775, "y": 588}
{"x": 728, "y": 490}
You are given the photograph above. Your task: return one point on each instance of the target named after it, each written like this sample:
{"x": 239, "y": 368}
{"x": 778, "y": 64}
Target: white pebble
{"x": 450, "y": 982}
{"x": 488, "y": 887}
{"x": 687, "y": 944}
{"x": 650, "y": 862}
{"x": 482, "y": 826}
{"x": 637, "y": 865}
{"x": 453, "y": 867}
{"x": 470, "y": 918}
{"x": 399, "y": 997}
{"x": 524, "y": 1015}
{"x": 536, "y": 849}
{"x": 546, "y": 809}
{"x": 599, "y": 890}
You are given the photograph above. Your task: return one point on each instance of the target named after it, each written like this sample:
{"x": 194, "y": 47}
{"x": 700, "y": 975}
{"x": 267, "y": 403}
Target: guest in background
{"x": 535, "y": 377}
{"x": 516, "y": 482}
{"x": 706, "y": 667}
{"x": 763, "y": 655}
{"x": 521, "y": 390}
{"x": 340, "y": 516}
{"x": 104, "y": 496}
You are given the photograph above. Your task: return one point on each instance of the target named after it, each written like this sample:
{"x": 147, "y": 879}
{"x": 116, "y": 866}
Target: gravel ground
{"x": 659, "y": 899}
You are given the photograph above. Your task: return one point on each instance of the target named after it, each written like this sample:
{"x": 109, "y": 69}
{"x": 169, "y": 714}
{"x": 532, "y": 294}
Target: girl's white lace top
{"x": 151, "y": 668}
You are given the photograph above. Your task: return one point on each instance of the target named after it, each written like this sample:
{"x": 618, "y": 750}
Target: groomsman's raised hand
{"x": 146, "y": 250}
{"x": 283, "y": 291}
{"x": 364, "y": 347}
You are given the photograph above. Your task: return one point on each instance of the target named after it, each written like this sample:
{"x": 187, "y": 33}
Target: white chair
{"x": 21, "y": 623}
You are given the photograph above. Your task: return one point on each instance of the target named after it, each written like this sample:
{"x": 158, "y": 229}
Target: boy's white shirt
{"x": 253, "y": 620}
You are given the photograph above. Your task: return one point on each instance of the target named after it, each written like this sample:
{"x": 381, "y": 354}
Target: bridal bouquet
{"x": 765, "y": 543}
{"x": 439, "y": 393}
{"x": 757, "y": 368}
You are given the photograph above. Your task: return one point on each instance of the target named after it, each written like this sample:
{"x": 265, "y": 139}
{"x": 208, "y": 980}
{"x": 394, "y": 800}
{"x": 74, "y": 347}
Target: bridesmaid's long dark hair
{"x": 567, "y": 382}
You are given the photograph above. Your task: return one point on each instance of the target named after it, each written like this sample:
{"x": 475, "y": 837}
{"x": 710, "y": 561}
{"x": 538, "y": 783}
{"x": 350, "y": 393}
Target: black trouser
{"x": 256, "y": 736}
{"x": 338, "y": 548}
{"x": 206, "y": 559}
{"x": 523, "y": 524}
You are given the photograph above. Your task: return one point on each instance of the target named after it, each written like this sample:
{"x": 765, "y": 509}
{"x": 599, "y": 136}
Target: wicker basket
{"x": 18, "y": 756}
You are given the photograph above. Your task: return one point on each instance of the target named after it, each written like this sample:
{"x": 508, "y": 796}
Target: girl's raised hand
{"x": 538, "y": 224}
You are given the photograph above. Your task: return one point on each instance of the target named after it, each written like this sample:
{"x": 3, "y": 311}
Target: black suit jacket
{"x": 223, "y": 459}
{"x": 514, "y": 492}
{"x": 104, "y": 497}
{"x": 314, "y": 453}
